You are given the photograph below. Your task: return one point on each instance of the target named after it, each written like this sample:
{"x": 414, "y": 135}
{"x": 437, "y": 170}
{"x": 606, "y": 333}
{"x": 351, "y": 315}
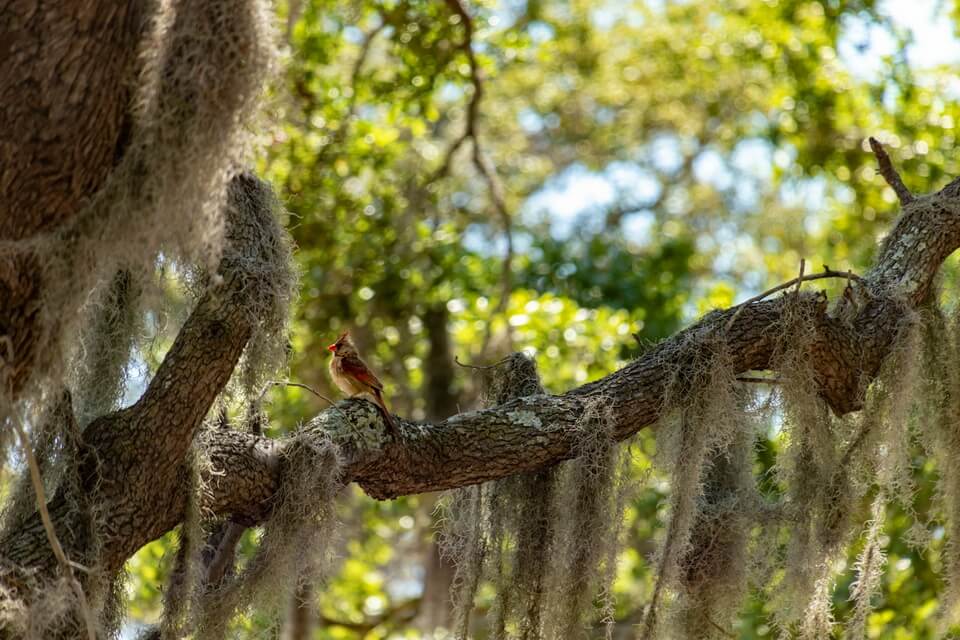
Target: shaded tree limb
{"x": 135, "y": 458}
{"x": 143, "y": 448}
{"x": 537, "y": 431}
{"x": 54, "y": 156}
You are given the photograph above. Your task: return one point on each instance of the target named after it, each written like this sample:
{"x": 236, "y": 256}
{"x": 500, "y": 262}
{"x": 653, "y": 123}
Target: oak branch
{"x": 136, "y": 458}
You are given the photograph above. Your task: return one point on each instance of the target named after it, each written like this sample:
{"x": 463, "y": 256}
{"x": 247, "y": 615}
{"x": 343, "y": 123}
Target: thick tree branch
{"x": 515, "y": 437}
{"x": 849, "y": 343}
{"x": 142, "y": 449}
{"x": 137, "y": 458}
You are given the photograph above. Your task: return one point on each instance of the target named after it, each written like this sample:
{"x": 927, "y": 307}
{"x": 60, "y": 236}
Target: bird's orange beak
{"x": 332, "y": 347}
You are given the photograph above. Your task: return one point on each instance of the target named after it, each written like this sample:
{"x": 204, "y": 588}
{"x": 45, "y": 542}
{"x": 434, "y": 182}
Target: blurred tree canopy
{"x": 576, "y": 180}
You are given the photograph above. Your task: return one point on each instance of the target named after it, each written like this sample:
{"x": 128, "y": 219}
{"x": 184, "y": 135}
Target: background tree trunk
{"x": 441, "y": 400}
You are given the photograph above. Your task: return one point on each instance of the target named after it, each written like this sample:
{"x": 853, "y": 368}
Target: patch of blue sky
{"x": 664, "y": 152}
{"x": 530, "y": 121}
{"x": 711, "y": 168}
{"x": 567, "y": 200}
{"x": 932, "y": 41}
{"x": 353, "y": 34}
{"x": 482, "y": 239}
{"x": 637, "y": 227}
{"x": 608, "y": 15}
{"x": 540, "y": 31}
{"x": 450, "y": 92}
{"x": 753, "y": 157}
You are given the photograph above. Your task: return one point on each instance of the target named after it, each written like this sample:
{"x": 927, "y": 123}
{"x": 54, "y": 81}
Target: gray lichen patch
{"x": 353, "y": 424}
{"x": 525, "y": 418}
{"x": 462, "y": 417}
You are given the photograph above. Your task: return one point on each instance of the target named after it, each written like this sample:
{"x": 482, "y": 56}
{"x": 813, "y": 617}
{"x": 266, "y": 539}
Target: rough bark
{"x": 136, "y": 461}
{"x": 850, "y": 342}
{"x": 71, "y": 67}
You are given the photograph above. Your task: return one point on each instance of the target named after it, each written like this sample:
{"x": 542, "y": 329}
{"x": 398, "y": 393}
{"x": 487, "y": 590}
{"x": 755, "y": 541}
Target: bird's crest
{"x": 344, "y": 337}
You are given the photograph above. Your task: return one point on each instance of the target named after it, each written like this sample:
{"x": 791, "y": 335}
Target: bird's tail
{"x": 388, "y": 418}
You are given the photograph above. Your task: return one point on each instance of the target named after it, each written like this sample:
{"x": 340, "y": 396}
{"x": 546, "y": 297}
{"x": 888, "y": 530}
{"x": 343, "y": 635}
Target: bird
{"x": 354, "y": 377}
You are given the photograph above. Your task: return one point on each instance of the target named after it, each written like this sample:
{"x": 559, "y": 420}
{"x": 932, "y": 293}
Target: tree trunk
{"x": 441, "y": 401}
{"x": 67, "y": 85}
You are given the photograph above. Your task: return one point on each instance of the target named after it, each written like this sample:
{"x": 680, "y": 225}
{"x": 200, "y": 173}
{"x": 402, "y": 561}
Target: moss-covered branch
{"x": 135, "y": 461}
{"x": 851, "y": 340}
{"x": 140, "y": 454}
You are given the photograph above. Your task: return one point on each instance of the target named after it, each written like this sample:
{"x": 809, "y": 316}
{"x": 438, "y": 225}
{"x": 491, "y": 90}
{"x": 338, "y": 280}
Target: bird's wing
{"x": 355, "y": 367}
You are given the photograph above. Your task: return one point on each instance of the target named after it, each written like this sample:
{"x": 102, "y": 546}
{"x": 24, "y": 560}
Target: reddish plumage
{"x": 352, "y": 375}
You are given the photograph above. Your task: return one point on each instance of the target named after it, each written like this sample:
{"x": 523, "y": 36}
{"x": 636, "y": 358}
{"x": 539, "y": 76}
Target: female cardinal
{"x": 354, "y": 377}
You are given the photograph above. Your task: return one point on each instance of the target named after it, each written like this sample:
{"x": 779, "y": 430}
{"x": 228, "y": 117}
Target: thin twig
{"x": 855, "y": 444}
{"x": 300, "y": 385}
{"x": 65, "y": 563}
{"x": 308, "y": 388}
{"x": 481, "y": 367}
{"x": 225, "y": 554}
{"x": 480, "y": 161}
{"x": 358, "y": 65}
{"x": 827, "y": 273}
{"x": 403, "y": 612}
{"x": 803, "y": 264}
{"x": 489, "y": 173}
{"x": 473, "y": 108}
{"x": 294, "y": 8}
{"x": 889, "y": 173}
{"x": 650, "y": 616}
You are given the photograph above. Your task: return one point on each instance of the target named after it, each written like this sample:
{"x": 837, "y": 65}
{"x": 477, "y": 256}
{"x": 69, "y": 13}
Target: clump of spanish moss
{"x": 869, "y": 569}
{"x": 52, "y": 443}
{"x": 259, "y": 252}
{"x": 546, "y": 541}
{"x": 53, "y": 605}
{"x": 818, "y": 500}
{"x": 500, "y": 530}
{"x": 828, "y": 466}
{"x": 464, "y": 541}
{"x": 203, "y": 64}
{"x": 938, "y": 419}
{"x": 270, "y": 279}
{"x": 714, "y": 572}
{"x": 587, "y": 513}
{"x": 111, "y": 331}
{"x": 881, "y": 449}
{"x": 298, "y": 534}
{"x": 52, "y": 612}
{"x": 701, "y": 439}
{"x": 179, "y": 598}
